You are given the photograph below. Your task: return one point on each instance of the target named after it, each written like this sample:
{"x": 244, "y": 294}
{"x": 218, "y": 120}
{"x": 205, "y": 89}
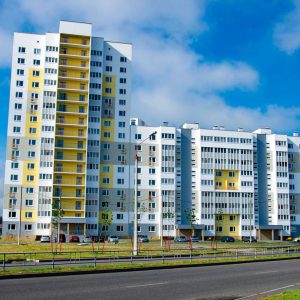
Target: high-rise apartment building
{"x": 70, "y": 94}
{"x": 71, "y": 151}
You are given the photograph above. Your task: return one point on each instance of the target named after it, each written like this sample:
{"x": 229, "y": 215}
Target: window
{"x": 36, "y": 62}
{"x": 37, "y": 51}
{"x": 218, "y": 173}
{"x": 120, "y": 228}
{"x": 20, "y": 72}
{"x": 231, "y": 174}
{"x": 28, "y": 214}
{"x": 11, "y": 226}
{"x": 29, "y": 202}
{"x": 19, "y": 83}
{"x": 232, "y": 218}
{"x": 151, "y": 228}
{"x": 21, "y": 60}
{"x": 28, "y": 227}
{"x": 232, "y": 228}
{"x": 123, "y": 59}
{"x": 14, "y": 165}
{"x": 12, "y": 214}
{"x": 30, "y": 166}
{"x": 35, "y": 84}
{"x": 17, "y": 117}
{"x": 13, "y": 177}
{"x": 30, "y": 178}
{"x": 19, "y": 95}
{"x": 35, "y": 73}
{"x": 22, "y": 49}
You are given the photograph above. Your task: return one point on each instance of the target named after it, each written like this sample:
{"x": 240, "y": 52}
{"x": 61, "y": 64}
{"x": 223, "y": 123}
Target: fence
{"x": 19, "y": 260}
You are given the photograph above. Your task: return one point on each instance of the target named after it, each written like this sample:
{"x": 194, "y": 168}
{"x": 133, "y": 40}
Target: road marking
{"x": 147, "y": 284}
{"x": 266, "y": 272}
{"x": 269, "y": 291}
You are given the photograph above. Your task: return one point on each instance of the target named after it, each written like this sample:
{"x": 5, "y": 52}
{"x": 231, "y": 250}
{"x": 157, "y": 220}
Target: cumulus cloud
{"x": 287, "y": 32}
{"x": 170, "y": 80}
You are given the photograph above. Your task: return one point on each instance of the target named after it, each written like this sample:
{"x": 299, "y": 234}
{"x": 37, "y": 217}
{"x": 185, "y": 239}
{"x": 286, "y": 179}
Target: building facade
{"x": 69, "y": 97}
{"x": 72, "y": 150}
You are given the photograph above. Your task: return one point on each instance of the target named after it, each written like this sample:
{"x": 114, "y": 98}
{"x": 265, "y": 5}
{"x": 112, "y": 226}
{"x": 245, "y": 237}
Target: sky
{"x": 233, "y": 63}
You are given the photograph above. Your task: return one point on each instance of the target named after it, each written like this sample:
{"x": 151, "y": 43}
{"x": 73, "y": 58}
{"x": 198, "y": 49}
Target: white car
{"x": 113, "y": 239}
{"x": 297, "y": 239}
{"x": 87, "y": 239}
{"x": 45, "y": 239}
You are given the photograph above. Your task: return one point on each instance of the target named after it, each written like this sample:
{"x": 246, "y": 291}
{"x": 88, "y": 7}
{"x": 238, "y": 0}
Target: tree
{"x": 106, "y": 217}
{"x": 57, "y": 214}
{"x": 191, "y": 217}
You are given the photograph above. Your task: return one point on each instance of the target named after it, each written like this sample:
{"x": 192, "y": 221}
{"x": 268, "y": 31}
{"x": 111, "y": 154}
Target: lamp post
{"x": 135, "y": 221}
{"x": 20, "y": 215}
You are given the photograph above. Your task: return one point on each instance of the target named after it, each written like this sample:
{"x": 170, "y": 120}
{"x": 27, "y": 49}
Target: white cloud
{"x": 287, "y": 33}
{"x": 171, "y": 81}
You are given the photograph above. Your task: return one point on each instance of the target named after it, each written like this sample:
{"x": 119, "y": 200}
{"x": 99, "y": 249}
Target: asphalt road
{"x": 243, "y": 281}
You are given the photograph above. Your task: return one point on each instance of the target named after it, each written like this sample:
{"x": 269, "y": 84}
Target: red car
{"x": 74, "y": 239}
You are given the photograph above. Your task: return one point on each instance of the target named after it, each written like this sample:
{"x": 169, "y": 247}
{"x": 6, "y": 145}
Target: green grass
{"x": 124, "y": 248}
{"x": 128, "y": 266}
{"x": 289, "y": 295}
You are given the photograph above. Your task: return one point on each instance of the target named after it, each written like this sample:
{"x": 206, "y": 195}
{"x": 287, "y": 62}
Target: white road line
{"x": 266, "y": 272}
{"x": 147, "y": 284}
{"x": 269, "y": 291}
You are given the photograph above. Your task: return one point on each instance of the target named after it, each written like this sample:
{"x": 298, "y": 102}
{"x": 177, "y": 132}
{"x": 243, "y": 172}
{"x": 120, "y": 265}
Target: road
{"x": 243, "y": 281}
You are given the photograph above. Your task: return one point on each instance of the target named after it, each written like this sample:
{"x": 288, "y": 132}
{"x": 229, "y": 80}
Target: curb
{"x": 86, "y": 272}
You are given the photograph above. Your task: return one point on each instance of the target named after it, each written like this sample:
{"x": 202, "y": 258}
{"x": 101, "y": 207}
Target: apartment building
{"x": 72, "y": 150}
{"x": 217, "y": 182}
{"x": 70, "y": 94}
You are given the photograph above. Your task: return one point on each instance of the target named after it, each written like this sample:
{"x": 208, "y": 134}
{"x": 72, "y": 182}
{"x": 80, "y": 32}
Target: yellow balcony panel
{"x": 73, "y": 78}
{"x": 72, "y": 110}
{"x": 68, "y": 184}
{"x": 70, "y": 159}
{"x": 74, "y": 56}
{"x": 65, "y": 136}
{"x": 71, "y": 124}
{"x": 72, "y": 89}
{"x": 71, "y": 63}
{"x": 71, "y": 42}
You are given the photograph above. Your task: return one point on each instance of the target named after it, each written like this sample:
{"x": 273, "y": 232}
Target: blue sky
{"x": 234, "y": 63}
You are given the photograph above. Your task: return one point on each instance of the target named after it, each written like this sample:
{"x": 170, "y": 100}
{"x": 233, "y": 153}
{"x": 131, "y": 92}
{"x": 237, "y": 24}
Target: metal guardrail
{"x": 20, "y": 260}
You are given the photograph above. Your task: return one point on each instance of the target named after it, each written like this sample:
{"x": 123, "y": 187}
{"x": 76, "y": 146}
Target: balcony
{"x": 72, "y": 88}
{"x": 67, "y": 171}
{"x": 67, "y": 183}
{"x": 83, "y": 67}
{"x": 74, "y": 111}
{"x": 72, "y": 158}
{"x": 73, "y": 76}
{"x": 67, "y": 196}
{"x": 79, "y": 124}
{"x": 15, "y": 146}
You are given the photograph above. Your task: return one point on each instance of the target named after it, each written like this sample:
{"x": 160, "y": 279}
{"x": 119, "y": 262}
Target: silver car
{"x": 113, "y": 239}
{"x": 45, "y": 239}
{"x": 87, "y": 239}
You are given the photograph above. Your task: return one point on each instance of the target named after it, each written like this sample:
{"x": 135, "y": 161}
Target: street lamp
{"x": 135, "y": 223}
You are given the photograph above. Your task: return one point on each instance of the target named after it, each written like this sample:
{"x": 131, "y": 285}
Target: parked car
{"x": 181, "y": 239}
{"x": 227, "y": 239}
{"x": 74, "y": 239}
{"x": 297, "y": 239}
{"x": 113, "y": 239}
{"x": 45, "y": 239}
{"x": 143, "y": 239}
{"x": 87, "y": 239}
{"x": 246, "y": 239}
{"x": 195, "y": 238}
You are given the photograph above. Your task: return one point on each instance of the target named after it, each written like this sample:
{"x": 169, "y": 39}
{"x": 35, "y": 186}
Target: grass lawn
{"x": 124, "y": 248}
{"x": 127, "y": 266}
{"x": 289, "y": 295}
